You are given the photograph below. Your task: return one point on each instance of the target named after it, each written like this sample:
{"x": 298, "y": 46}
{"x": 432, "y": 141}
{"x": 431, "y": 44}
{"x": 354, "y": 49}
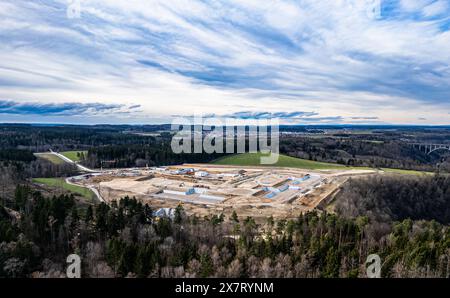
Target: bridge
{"x": 429, "y": 148}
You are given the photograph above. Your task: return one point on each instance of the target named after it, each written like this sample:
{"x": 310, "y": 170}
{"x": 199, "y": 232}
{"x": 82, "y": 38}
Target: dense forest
{"x": 129, "y": 146}
{"x": 67, "y": 137}
{"x": 125, "y": 240}
{"x": 155, "y": 154}
{"x": 108, "y": 146}
{"x": 23, "y": 166}
{"x": 394, "y": 198}
{"x": 404, "y": 219}
{"x": 369, "y": 151}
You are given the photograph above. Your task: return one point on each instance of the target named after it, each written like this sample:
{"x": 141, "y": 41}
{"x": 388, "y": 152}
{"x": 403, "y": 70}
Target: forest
{"x": 129, "y": 146}
{"x": 395, "y": 198}
{"x": 383, "y": 151}
{"x": 125, "y": 240}
{"x": 404, "y": 219}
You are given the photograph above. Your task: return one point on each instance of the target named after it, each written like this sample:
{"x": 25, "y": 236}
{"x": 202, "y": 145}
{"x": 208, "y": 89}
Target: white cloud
{"x": 414, "y": 5}
{"x": 436, "y": 8}
{"x": 284, "y": 16}
{"x": 173, "y": 57}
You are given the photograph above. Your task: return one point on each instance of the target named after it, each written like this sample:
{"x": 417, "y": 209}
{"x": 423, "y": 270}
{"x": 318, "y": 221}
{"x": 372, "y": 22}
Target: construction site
{"x": 205, "y": 189}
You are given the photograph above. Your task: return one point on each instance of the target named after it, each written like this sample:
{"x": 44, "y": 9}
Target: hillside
{"x": 253, "y": 159}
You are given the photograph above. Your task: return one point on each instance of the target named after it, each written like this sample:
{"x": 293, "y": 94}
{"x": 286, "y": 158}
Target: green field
{"x": 406, "y": 172}
{"x": 253, "y": 159}
{"x": 73, "y": 155}
{"x": 51, "y": 158}
{"x": 60, "y": 183}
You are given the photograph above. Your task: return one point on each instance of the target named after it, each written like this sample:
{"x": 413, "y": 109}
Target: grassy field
{"x": 60, "y": 183}
{"x": 406, "y": 172}
{"x": 253, "y": 159}
{"x": 50, "y": 157}
{"x": 73, "y": 155}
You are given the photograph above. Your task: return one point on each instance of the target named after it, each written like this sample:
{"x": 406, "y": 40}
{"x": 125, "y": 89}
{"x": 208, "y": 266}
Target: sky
{"x": 304, "y": 61}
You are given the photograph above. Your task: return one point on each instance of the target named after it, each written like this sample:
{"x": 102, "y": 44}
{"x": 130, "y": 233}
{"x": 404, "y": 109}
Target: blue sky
{"x": 306, "y": 62}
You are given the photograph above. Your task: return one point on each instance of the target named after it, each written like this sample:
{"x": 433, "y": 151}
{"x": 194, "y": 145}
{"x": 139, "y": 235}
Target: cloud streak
{"x": 297, "y": 117}
{"x": 59, "y": 109}
{"x": 167, "y": 57}
{"x": 269, "y": 115}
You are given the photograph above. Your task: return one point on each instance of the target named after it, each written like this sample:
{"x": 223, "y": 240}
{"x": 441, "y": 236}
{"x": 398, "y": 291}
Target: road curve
{"x": 93, "y": 189}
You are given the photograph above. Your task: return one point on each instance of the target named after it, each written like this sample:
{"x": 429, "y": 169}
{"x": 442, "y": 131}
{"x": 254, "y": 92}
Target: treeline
{"x": 13, "y": 173}
{"x": 356, "y": 151}
{"x": 66, "y": 137}
{"x": 115, "y": 146}
{"x": 376, "y": 148}
{"x": 16, "y": 155}
{"x": 395, "y": 198}
{"x": 156, "y": 154}
{"x": 125, "y": 240}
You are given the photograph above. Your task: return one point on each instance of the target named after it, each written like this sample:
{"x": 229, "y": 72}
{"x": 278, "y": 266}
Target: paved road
{"x": 93, "y": 189}
{"x": 68, "y": 160}
{"x": 81, "y": 168}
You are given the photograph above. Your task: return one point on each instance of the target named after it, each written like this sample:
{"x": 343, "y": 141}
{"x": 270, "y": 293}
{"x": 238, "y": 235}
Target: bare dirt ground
{"x": 212, "y": 189}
